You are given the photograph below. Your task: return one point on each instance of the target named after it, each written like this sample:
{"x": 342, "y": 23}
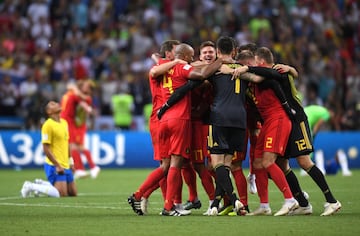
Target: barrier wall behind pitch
{"x": 114, "y": 149}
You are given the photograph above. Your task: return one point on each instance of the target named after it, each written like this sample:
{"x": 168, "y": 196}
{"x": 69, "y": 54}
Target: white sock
{"x": 319, "y": 160}
{"x": 343, "y": 161}
{"x": 289, "y": 200}
{"x": 264, "y": 205}
{"x": 42, "y": 182}
{"x": 49, "y": 190}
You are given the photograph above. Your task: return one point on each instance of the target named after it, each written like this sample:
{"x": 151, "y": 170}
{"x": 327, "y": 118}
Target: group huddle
{"x": 205, "y": 112}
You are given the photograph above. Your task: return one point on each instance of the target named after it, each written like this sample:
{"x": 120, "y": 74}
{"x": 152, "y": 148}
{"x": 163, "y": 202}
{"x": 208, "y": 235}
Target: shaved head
{"x": 182, "y": 48}
{"x": 184, "y": 51}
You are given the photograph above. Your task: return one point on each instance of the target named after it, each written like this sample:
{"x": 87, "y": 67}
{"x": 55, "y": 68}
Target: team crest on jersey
{"x": 45, "y": 137}
{"x": 187, "y": 67}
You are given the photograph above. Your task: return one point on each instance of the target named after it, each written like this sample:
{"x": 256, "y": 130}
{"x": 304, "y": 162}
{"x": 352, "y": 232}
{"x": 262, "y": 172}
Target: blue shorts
{"x": 52, "y": 176}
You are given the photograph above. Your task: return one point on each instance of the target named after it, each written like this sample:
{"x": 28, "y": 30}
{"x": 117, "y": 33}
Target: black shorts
{"x": 300, "y": 140}
{"x": 225, "y": 140}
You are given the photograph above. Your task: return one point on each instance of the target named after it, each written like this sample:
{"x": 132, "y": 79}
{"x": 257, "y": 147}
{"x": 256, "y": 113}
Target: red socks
{"x": 262, "y": 183}
{"x": 153, "y": 179}
{"x": 89, "y": 159}
{"x": 279, "y": 179}
{"x": 173, "y": 184}
{"x": 241, "y": 185}
{"x": 189, "y": 175}
{"x": 207, "y": 183}
{"x": 78, "y": 165}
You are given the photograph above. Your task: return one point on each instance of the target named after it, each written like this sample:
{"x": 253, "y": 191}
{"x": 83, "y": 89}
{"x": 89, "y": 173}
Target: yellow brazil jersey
{"x": 57, "y": 136}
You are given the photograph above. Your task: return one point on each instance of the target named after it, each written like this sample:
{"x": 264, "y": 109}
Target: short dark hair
{"x": 249, "y": 46}
{"x": 44, "y": 105}
{"x": 207, "y": 44}
{"x": 266, "y": 54}
{"x": 167, "y": 46}
{"x": 245, "y": 55}
{"x": 225, "y": 45}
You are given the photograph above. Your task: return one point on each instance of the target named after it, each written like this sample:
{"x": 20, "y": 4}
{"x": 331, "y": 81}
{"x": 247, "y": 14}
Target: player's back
{"x": 228, "y": 108}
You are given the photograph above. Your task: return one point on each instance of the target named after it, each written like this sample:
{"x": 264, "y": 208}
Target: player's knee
{"x": 257, "y": 164}
{"x": 305, "y": 162}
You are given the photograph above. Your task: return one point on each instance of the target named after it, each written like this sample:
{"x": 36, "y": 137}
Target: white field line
{"x": 59, "y": 205}
{"x": 115, "y": 205}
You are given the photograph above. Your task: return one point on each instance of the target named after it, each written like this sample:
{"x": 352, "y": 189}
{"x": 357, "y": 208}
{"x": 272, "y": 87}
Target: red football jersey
{"x": 71, "y": 110}
{"x": 155, "y": 88}
{"x": 276, "y": 129}
{"x": 175, "y": 78}
{"x": 267, "y": 103}
{"x": 69, "y": 102}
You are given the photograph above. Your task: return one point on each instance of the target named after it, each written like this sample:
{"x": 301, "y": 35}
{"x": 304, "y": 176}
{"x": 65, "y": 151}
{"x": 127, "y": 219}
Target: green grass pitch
{"x": 102, "y": 209}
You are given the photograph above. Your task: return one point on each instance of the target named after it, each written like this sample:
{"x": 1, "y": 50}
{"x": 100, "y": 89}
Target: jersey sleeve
{"x": 186, "y": 69}
{"x": 46, "y": 133}
{"x": 268, "y": 73}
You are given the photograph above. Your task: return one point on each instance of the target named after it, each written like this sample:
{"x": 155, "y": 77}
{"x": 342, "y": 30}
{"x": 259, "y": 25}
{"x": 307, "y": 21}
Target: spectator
{"x": 62, "y": 64}
{"x": 61, "y": 86}
{"x": 60, "y": 16}
{"x": 38, "y": 9}
{"x": 309, "y": 36}
{"x": 28, "y": 93}
{"x": 108, "y": 88}
{"x": 312, "y": 95}
{"x": 81, "y": 65}
{"x": 122, "y": 108}
{"x": 41, "y": 32}
{"x": 8, "y": 96}
{"x": 79, "y": 14}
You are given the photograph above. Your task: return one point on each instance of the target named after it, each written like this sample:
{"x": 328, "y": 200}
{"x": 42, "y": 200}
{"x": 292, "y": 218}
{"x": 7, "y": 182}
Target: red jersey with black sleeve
{"x": 267, "y": 103}
{"x": 276, "y": 128}
{"x": 157, "y": 101}
{"x": 174, "y": 79}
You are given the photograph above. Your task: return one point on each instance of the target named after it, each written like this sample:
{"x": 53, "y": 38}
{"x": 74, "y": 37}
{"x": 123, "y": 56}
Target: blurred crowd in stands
{"x": 44, "y": 44}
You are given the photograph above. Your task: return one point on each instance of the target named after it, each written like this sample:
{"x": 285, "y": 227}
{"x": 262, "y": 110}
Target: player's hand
{"x": 281, "y": 68}
{"x": 60, "y": 170}
{"x": 224, "y": 69}
{"x": 162, "y": 111}
{"x": 289, "y": 111}
{"x": 155, "y": 57}
{"x": 159, "y": 114}
{"x": 240, "y": 70}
